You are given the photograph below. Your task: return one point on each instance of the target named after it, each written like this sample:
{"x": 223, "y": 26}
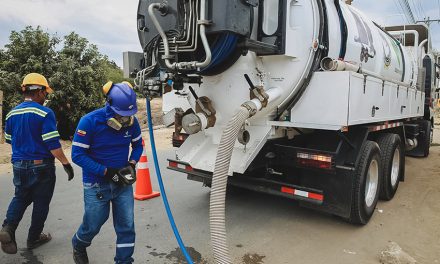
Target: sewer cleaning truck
{"x": 305, "y": 99}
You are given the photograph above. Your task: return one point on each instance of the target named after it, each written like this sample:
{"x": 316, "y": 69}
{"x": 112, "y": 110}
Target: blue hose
{"x": 162, "y": 189}
{"x": 221, "y": 50}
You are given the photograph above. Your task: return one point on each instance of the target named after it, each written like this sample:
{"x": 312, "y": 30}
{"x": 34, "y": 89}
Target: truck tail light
{"x": 314, "y": 160}
{"x": 178, "y": 139}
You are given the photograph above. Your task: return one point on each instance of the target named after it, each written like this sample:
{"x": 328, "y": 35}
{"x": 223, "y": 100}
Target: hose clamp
{"x": 251, "y": 107}
{"x": 260, "y": 94}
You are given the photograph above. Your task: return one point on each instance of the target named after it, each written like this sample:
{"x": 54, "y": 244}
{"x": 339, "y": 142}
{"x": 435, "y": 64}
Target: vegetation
{"x": 75, "y": 69}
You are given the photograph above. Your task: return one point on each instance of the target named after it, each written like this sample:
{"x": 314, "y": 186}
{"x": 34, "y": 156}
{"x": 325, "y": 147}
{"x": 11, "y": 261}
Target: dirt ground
{"x": 156, "y": 112}
{"x": 411, "y": 219}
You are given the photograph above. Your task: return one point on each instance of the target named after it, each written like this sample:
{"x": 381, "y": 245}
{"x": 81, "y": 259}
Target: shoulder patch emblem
{"x": 81, "y": 132}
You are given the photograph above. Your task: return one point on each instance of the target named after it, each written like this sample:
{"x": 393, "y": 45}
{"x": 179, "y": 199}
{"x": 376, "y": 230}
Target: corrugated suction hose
{"x": 219, "y": 183}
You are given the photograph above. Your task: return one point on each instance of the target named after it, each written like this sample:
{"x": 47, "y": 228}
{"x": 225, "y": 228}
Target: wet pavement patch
{"x": 160, "y": 255}
{"x": 177, "y": 257}
{"x": 253, "y": 259}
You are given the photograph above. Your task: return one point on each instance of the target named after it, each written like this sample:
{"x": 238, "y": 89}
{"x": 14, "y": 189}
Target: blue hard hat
{"x": 122, "y": 99}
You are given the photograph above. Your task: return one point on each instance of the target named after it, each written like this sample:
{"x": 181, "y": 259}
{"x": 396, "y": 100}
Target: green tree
{"x": 78, "y": 80}
{"x": 30, "y": 50}
{"x": 76, "y": 72}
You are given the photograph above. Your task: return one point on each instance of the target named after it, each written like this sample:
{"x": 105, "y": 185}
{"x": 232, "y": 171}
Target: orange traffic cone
{"x": 143, "y": 190}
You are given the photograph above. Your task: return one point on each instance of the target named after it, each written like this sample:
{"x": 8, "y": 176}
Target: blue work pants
{"x": 34, "y": 183}
{"x": 97, "y": 200}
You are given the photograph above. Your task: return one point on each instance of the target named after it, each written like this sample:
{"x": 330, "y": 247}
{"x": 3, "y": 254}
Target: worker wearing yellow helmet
{"x": 31, "y": 130}
{"x": 33, "y": 80}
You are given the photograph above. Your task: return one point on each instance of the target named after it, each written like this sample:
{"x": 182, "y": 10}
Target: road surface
{"x": 261, "y": 228}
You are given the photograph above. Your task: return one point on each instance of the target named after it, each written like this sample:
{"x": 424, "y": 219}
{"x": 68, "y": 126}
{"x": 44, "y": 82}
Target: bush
{"x": 76, "y": 72}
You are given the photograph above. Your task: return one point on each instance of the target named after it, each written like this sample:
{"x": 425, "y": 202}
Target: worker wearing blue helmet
{"x": 101, "y": 147}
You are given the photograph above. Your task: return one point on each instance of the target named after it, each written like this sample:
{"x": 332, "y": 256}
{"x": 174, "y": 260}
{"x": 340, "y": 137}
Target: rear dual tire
{"x": 367, "y": 183}
{"x": 393, "y": 164}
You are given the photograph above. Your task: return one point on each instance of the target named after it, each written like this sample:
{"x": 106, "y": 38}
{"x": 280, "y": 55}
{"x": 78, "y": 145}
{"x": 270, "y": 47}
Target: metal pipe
{"x": 193, "y": 46}
{"x": 183, "y": 65}
{"x": 329, "y": 64}
{"x": 188, "y": 32}
{"x": 420, "y": 59}
{"x": 405, "y": 32}
{"x": 203, "y": 36}
{"x": 423, "y": 43}
{"x": 162, "y": 34}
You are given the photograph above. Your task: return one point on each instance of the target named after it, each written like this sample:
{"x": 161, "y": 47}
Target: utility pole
{"x": 428, "y": 21}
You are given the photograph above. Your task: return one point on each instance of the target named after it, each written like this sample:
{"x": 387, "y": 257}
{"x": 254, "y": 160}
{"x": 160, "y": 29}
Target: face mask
{"x": 119, "y": 122}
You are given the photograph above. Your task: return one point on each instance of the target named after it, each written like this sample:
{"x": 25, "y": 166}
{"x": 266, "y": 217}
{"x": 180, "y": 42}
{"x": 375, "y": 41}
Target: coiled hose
{"x": 218, "y": 187}
{"x": 162, "y": 189}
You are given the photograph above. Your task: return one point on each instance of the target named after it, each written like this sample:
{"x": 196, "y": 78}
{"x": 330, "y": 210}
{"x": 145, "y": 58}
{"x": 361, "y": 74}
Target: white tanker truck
{"x": 305, "y": 99}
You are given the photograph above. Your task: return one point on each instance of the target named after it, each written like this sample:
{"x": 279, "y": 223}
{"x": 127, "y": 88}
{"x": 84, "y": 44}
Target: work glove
{"x": 127, "y": 175}
{"x": 69, "y": 170}
{"x": 111, "y": 175}
{"x": 121, "y": 176}
{"x": 132, "y": 165}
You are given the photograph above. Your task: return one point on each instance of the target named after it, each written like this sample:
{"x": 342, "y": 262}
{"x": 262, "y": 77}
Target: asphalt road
{"x": 261, "y": 228}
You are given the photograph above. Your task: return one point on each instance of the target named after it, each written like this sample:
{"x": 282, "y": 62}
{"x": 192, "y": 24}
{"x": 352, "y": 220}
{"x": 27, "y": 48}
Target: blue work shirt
{"x": 31, "y": 130}
{"x": 96, "y": 146}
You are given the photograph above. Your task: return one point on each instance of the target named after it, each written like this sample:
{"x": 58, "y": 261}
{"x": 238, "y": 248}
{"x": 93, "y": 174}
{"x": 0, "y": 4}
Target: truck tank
{"x": 203, "y": 49}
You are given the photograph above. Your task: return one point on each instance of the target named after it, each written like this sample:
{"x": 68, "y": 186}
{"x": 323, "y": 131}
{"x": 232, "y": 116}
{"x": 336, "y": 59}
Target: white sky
{"x": 111, "y": 24}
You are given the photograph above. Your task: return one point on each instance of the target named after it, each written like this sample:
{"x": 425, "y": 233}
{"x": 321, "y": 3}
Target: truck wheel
{"x": 367, "y": 180}
{"x": 426, "y": 138}
{"x": 393, "y": 162}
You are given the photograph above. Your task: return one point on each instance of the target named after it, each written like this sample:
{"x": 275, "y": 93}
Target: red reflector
{"x": 188, "y": 168}
{"x": 287, "y": 190}
{"x": 173, "y": 164}
{"x": 305, "y": 194}
{"x": 315, "y": 163}
{"x": 316, "y": 196}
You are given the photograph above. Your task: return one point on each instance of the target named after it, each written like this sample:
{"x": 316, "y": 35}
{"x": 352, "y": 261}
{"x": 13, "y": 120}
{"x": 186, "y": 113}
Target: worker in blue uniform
{"x": 31, "y": 130}
{"x": 101, "y": 147}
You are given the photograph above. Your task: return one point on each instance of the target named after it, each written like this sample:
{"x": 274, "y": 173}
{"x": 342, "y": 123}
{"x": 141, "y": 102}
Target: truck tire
{"x": 393, "y": 162}
{"x": 426, "y": 137}
{"x": 367, "y": 180}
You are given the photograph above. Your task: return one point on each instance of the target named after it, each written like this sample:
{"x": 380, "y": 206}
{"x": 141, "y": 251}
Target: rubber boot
{"x": 80, "y": 256}
{"x": 43, "y": 239}
{"x": 7, "y": 239}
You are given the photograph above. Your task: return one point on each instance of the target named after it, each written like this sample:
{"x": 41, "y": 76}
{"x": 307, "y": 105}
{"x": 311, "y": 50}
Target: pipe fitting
{"x": 252, "y": 106}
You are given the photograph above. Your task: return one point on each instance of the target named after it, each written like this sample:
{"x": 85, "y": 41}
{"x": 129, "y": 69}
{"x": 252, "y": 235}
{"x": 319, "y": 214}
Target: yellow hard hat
{"x": 128, "y": 83}
{"x": 108, "y": 86}
{"x": 35, "y": 79}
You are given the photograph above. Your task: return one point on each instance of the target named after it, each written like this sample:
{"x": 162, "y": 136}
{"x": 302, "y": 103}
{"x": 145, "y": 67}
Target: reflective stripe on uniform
{"x": 136, "y": 139}
{"x": 125, "y": 245}
{"x": 80, "y": 145}
{"x": 77, "y": 237}
{"x": 50, "y": 135}
{"x": 26, "y": 110}
{"x": 7, "y": 136}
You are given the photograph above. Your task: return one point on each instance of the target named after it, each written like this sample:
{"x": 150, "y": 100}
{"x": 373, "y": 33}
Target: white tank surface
{"x": 367, "y": 46}
{"x": 280, "y": 51}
